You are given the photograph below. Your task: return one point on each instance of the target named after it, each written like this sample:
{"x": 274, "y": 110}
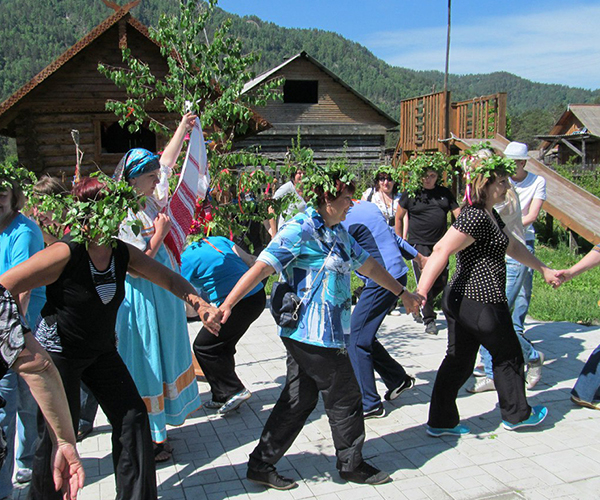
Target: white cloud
{"x": 560, "y": 46}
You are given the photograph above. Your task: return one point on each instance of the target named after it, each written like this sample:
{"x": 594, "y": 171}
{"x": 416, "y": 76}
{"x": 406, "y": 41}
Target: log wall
{"x": 74, "y": 97}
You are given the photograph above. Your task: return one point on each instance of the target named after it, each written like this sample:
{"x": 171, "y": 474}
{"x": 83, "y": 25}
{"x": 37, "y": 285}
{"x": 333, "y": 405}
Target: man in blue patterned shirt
{"x": 316, "y": 255}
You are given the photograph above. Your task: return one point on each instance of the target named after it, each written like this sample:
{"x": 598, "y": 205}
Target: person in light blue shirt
{"x": 20, "y": 238}
{"x": 214, "y": 265}
{"x": 366, "y": 223}
{"x": 315, "y": 255}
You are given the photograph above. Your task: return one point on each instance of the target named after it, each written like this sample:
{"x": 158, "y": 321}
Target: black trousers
{"x": 109, "y": 381}
{"x": 215, "y": 355}
{"x": 438, "y": 286}
{"x": 471, "y": 324}
{"x": 312, "y": 370}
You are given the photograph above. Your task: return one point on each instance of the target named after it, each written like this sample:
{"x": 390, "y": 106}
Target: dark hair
{"x": 88, "y": 188}
{"x": 17, "y": 201}
{"x": 323, "y": 197}
{"x": 49, "y": 185}
{"x": 383, "y": 175}
{"x": 294, "y": 172}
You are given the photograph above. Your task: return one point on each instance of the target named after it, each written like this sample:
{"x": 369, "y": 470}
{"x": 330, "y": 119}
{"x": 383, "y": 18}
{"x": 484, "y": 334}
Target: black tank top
{"x": 85, "y": 326}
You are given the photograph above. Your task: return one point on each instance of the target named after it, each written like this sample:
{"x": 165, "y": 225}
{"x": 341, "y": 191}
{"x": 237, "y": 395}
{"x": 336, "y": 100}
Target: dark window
{"x": 115, "y": 139}
{"x": 301, "y": 91}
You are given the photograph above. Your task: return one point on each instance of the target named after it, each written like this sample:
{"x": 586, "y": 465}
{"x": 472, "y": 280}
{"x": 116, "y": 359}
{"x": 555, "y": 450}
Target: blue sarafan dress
{"x": 153, "y": 337}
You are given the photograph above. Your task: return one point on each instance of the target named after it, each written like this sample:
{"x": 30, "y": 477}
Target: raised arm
{"x": 173, "y": 148}
{"x": 147, "y": 268}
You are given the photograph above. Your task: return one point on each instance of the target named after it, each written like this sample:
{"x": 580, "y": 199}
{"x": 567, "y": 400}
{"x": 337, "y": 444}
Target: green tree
{"x": 210, "y": 73}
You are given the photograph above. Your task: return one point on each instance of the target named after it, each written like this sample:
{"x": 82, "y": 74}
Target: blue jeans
{"x": 89, "y": 408}
{"x": 587, "y": 386}
{"x": 367, "y": 355}
{"x": 518, "y": 277}
{"x": 19, "y": 416}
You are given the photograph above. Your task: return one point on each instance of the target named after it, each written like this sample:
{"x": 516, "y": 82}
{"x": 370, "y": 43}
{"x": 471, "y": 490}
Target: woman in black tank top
{"x": 85, "y": 287}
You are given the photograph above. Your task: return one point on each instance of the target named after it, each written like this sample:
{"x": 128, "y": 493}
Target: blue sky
{"x": 549, "y": 41}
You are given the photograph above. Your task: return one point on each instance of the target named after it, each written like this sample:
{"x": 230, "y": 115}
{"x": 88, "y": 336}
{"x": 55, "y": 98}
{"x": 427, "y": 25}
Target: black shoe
{"x": 378, "y": 412}
{"x": 408, "y": 383}
{"x": 366, "y": 474}
{"x": 271, "y": 479}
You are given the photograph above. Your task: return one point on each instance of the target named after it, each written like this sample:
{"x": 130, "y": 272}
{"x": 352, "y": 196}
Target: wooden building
{"x": 70, "y": 94}
{"x": 576, "y": 133}
{"x": 328, "y": 113}
{"x": 429, "y": 123}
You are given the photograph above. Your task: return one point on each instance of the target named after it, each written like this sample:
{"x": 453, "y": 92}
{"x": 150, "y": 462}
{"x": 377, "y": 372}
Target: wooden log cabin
{"x": 70, "y": 94}
{"x": 575, "y": 134}
{"x": 327, "y": 112}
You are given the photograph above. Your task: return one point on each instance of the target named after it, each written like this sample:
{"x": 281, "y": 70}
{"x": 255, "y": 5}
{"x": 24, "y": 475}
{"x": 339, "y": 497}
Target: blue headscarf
{"x": 136, "y": 162}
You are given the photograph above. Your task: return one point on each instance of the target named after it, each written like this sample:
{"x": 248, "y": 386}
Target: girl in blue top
{"x": 214, "y": 265}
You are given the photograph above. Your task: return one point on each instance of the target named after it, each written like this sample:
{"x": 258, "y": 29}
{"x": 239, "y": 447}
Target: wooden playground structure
{"x": 433, "y": 123}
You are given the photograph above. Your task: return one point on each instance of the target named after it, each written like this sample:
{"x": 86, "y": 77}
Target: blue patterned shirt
{"x": 298, "y": 251}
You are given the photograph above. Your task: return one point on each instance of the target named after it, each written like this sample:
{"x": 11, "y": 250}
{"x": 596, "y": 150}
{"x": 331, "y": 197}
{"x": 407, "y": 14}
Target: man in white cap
{"x": 531, "y": 190}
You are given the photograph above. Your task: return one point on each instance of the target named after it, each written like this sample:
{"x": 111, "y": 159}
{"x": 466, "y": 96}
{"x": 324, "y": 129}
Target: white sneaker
{"x": 482, "y": 384}
{"x": 234, "y": 402}
{"x": 534, "y": 371}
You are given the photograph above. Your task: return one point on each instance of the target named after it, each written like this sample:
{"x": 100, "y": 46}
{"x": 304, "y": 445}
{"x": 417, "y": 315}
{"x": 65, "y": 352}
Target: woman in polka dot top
{"x": 475, "y": 303}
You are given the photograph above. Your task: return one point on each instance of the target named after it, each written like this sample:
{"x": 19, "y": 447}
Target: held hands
{"x": 551, "y": 277}
{"x": 162, "y": 225}
{"x": 411, "y": 302}
{"x": 67, "y": 470}
{"x": 209, "y": 315}
{"x": 226, "y": 311}
{"x": 564, "y": 275}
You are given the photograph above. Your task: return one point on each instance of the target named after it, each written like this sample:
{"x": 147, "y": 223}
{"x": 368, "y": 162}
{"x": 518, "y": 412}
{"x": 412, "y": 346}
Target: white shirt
{"x": 533, "y": 187}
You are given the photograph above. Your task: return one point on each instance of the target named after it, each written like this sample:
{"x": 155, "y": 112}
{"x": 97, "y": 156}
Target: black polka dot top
{"x": 480, "y": 268}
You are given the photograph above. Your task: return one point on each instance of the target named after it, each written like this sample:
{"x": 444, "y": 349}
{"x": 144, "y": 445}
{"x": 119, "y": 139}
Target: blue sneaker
{"x": 538, "y": 414}
{"x": 459, "y": 430}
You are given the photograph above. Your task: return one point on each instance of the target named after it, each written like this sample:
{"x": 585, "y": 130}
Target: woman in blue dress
{"x": 152, "y": 325}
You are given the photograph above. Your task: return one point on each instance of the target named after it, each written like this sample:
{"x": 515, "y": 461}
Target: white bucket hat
{"x": 516, "y": 151}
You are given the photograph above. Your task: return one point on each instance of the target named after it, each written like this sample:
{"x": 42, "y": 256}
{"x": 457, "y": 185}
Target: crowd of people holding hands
{"x": 108, "y": 320}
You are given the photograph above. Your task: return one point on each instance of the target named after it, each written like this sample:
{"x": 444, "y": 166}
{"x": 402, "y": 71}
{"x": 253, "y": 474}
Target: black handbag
{"x": 284, "y": 304}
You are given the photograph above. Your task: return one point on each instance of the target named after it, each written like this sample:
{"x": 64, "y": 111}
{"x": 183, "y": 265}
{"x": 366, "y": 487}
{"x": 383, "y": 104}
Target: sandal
{"x": 161, "y": 453}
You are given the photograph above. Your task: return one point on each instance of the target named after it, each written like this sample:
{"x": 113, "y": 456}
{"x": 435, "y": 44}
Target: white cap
{"x": 516, "y": 151}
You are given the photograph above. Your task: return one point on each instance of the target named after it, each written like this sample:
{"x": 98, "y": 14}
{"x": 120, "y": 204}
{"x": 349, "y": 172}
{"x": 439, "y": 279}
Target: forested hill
{"x": 34, "y": 32}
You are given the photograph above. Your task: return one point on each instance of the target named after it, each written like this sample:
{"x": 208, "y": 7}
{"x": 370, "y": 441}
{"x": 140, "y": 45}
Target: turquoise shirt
{"x": 19, "y": 241}
{"x": 298, "y": 252}
{"x": 214, "y": 268}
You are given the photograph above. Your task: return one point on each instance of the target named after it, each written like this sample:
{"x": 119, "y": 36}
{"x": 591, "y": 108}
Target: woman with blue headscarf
{"x": 152, "y": 325}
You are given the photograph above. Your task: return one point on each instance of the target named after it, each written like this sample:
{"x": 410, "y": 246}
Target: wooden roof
{"x": 565, "y": 201}
{"x": 303, "y": 55}
{"x": 587, "y": 114}
{"x": 8, "y": 106}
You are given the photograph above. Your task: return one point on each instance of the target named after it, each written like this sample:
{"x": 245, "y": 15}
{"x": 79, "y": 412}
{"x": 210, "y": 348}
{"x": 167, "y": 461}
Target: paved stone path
{"x": 559, "y": 459}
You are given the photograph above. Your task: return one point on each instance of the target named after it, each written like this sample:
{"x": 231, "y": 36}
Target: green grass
{"x": 576, "y": 301}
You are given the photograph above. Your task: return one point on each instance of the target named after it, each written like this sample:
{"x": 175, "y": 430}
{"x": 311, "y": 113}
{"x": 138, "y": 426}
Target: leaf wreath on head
{"x": 412, "y": 172}
{"x": 486, "y": 164}
{"x": 93, "y": 221}
{"x": 324, "y": 177}
{"x": 19, "y": 175}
